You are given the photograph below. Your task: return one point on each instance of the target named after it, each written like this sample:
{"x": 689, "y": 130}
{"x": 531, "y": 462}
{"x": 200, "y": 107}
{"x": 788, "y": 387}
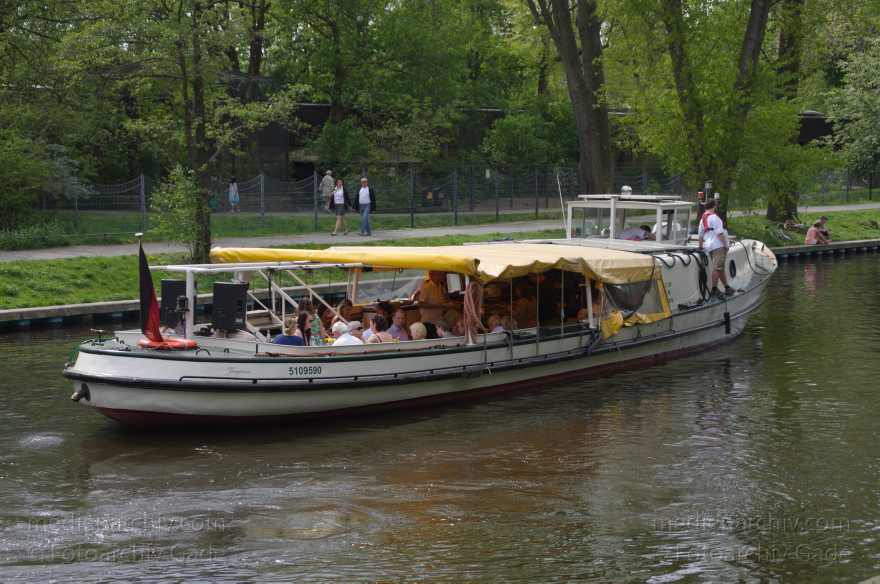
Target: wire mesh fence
{"x": 449, "y": 191}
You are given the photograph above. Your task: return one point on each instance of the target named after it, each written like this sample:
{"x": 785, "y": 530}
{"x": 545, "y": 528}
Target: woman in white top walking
{"x": 339, "y": 203}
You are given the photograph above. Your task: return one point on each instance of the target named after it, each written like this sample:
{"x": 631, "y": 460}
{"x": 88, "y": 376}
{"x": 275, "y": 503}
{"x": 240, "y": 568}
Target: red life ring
{"x": 168, "y": 344}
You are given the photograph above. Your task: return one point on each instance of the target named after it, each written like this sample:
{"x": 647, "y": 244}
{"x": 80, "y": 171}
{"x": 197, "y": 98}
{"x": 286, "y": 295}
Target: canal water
{"x": 758, "y": 460}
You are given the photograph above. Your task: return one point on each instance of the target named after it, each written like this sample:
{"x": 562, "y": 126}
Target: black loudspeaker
{"x": 171, "y": 289}
{"x": 230, "y": 304}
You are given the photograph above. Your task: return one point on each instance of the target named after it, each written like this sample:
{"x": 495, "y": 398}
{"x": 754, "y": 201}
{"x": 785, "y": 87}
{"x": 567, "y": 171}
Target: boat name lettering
{"x": 234, "y": 371}
{"x": 305, "y": 370}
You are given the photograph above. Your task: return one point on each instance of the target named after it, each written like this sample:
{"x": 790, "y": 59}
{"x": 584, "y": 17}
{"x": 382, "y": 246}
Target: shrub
{"x": 178, "y": 201}
{"x": 36, "y": 236}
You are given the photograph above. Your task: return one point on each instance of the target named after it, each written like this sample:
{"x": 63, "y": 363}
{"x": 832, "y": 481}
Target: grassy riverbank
{"x": 844, "y": 226}
{"x": 94, "y": 279}
{"x": 108, "y": 227}
{"x": 31, "y": 283}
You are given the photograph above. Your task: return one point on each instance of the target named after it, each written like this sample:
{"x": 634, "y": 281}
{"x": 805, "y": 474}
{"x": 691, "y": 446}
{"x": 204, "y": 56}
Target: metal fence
{"x": 451, "y": 191}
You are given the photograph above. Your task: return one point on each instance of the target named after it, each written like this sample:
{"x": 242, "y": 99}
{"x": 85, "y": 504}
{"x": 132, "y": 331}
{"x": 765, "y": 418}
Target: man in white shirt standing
{"x": 712, "y": 234}
{"x": 366, "y": 202}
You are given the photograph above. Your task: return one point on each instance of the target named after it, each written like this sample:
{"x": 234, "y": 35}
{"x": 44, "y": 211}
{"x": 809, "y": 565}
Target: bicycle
{"x": 778, "y": 234}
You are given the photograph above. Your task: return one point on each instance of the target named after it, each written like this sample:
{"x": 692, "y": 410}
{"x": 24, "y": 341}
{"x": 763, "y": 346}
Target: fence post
{"x": 262, "y": 199}
{"x": 143, "y": 203}
{"x": 536, "y": 192}
{"x": 496, "y": 195}
{"x": 847, "y": 185}
{"x": 455, "y": 196}
{"x": 412, "y": 199}
{"x": 471, "y": 188}
{"x": 75, "y": 210}
{"x": 315, "y": 197}
{"x": 512, "y": 179}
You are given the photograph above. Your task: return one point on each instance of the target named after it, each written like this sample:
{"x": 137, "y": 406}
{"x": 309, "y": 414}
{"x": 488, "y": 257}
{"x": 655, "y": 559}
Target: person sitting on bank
{"x": 443, "y": 330}
{"x": 288, "y": 334}
{"x": 379, "y": 328}
{"x": 814, "y": 235}
{"x": 826, "y": 233}
{"x": 398, "y": 327}
{"x": 418, "y": 331}
{"x": 343, "y": 337}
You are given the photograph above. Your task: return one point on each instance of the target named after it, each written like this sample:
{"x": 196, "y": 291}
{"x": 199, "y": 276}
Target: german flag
{"x": 149, "y": 304}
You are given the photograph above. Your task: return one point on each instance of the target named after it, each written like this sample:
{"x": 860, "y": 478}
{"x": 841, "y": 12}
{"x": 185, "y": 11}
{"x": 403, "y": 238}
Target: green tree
{"x": 855, "y": 109}
{"x": 576, "y": 32}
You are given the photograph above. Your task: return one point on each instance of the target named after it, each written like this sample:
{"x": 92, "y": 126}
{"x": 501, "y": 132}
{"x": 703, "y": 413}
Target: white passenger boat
{"x": 601, "y": 303}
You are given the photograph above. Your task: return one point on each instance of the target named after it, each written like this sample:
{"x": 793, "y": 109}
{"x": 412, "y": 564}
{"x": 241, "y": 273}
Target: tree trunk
{"x": 585, "y": 77}
{"x": 202, "y": 246}
{"x": 783, "y": 205}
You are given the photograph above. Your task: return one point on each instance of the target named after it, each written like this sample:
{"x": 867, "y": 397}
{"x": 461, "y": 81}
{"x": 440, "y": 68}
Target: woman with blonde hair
{"x": 289, "y": 334}
{"x": 417, "y": 331}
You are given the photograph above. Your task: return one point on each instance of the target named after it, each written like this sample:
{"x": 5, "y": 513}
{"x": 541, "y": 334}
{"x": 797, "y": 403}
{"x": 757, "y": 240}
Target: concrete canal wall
{"x": 107, "y": 312}
{"x": 104, "y": 312}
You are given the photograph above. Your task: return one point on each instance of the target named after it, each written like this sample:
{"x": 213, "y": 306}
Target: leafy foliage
{"x": 855, "y": 110}
{"x": 176, "y": 205}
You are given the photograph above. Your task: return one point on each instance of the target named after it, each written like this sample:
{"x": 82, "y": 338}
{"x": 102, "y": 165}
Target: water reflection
{"x": 757, "y": 460}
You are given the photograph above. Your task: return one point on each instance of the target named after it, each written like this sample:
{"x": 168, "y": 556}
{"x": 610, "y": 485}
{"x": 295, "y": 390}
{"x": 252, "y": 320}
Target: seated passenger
{"x": 385, "y": 309}
{"x": 525, "y": 307}
{"x": 343, "y": 311}
{"x": 443, "y": 331}
{"x": 356, "y": 329}
{"x": 288, "y": 334}
{"x": 418, "y": 331}
{"x": 398, "y": 328}
{"x": 458, "y": 329}
{"x": 647, "y": 235}
{"x": 379, "y": 328}
{"x": 493, "y": 323}
{"x": 508, "y": 323}
{"x": 340, "y": 331}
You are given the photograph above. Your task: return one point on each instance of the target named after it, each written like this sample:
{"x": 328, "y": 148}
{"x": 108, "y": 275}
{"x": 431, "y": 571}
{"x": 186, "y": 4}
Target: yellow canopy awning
{"x": 484, "y": 262}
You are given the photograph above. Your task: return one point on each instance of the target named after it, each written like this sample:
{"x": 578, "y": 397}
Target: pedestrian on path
{"x": 327, "y": 188}
{"x": 339, "y": 203}
{"x": 365, "y": 202}
{"x": 233, "y": 195}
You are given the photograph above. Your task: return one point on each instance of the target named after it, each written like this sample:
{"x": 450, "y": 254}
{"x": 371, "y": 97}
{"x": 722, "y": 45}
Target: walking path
{"x": 485, "y": 229}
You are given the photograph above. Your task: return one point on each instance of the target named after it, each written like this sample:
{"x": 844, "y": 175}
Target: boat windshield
{"x": 387, "y": 285}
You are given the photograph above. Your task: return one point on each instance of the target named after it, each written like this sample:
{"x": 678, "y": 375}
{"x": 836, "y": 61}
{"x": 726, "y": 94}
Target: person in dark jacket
{"x": 365, "y": 202}
{"x": 339, "y": 204}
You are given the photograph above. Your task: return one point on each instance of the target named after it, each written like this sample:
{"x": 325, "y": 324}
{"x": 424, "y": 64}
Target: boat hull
{"x": 180, "y": 391}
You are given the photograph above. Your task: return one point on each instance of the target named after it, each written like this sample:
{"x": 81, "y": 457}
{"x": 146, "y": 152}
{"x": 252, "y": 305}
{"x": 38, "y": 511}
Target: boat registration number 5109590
{"x": 305, "y": 370}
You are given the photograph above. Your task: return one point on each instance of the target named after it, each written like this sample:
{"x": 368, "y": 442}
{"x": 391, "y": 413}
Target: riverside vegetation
{"x": 31, "y": 283}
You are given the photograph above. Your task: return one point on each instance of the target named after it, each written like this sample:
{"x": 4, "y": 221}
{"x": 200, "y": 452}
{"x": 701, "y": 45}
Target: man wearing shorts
{"x": 712, "y": 235}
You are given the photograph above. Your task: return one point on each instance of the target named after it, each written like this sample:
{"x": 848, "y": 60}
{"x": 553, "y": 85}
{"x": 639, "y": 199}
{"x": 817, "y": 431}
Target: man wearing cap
{"x": 365, "y": 202}
{"x": 711, "y": 232}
